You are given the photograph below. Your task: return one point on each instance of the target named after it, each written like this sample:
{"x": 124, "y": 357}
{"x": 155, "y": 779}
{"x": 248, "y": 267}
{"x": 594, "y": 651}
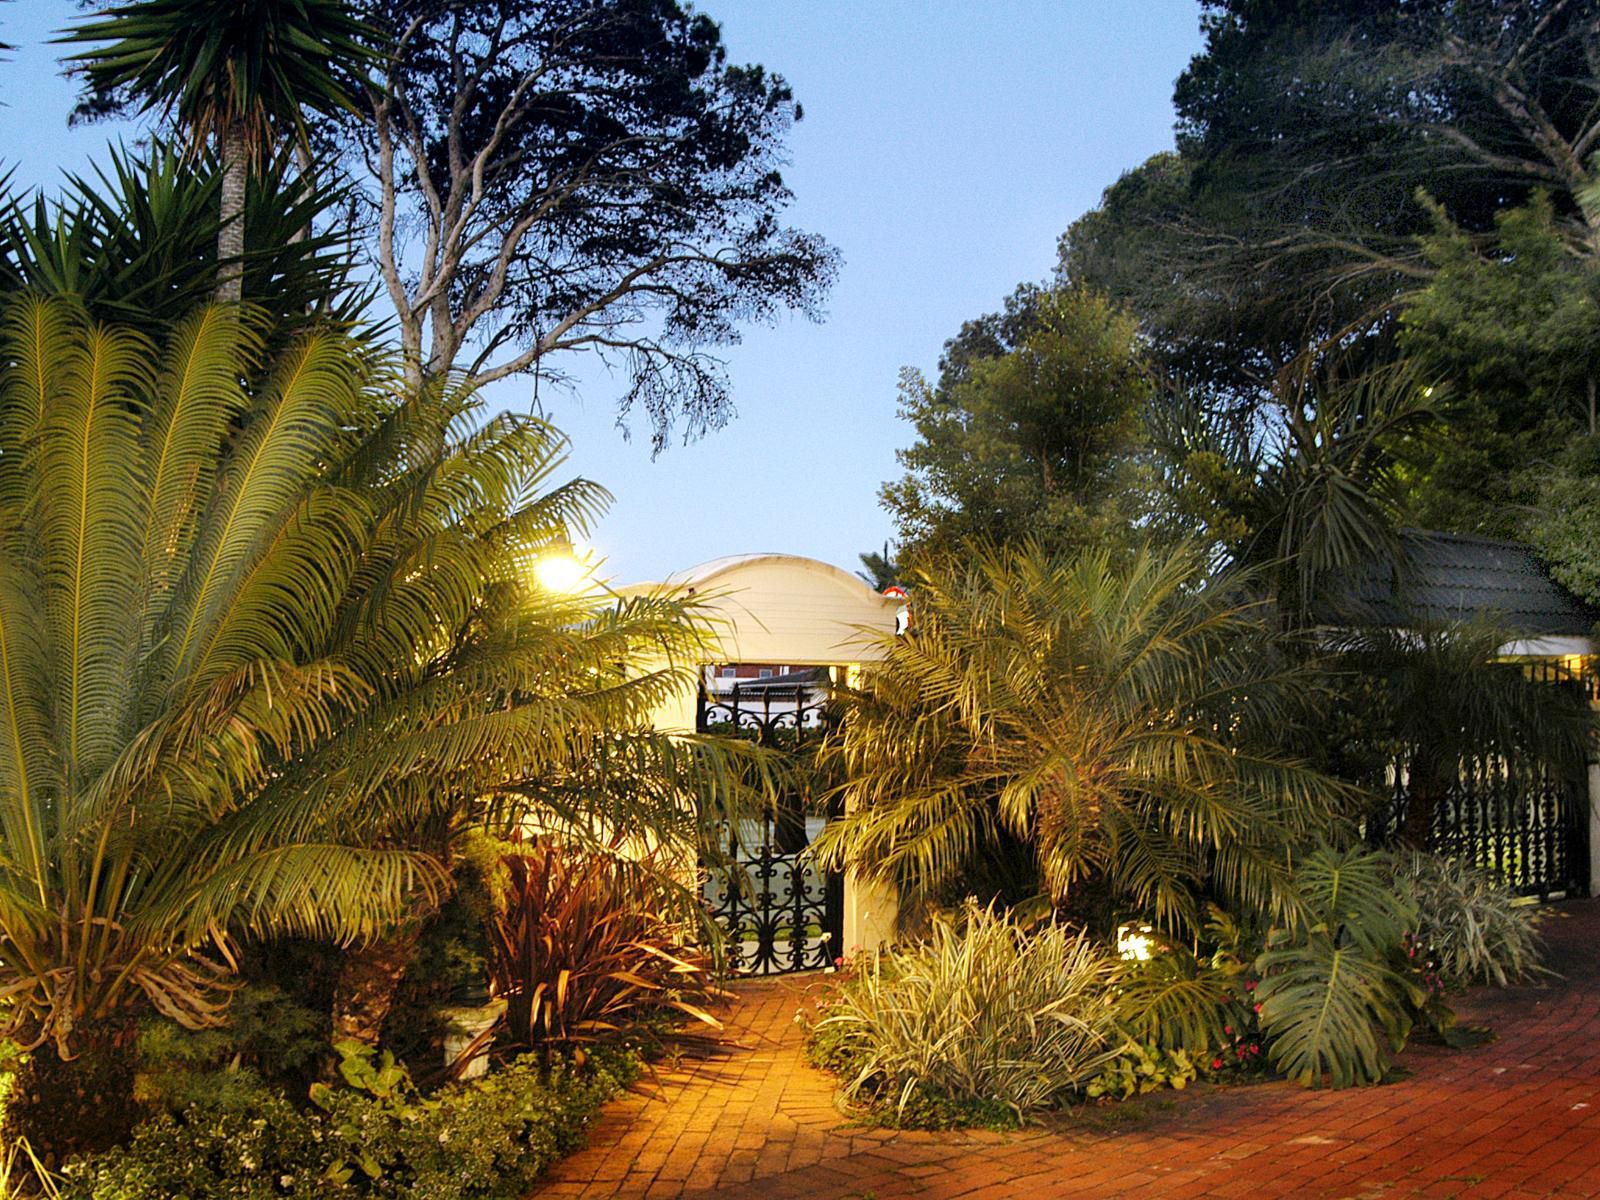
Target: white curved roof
{"x": 786, "y": 608}
{"x": 703, "y": 573}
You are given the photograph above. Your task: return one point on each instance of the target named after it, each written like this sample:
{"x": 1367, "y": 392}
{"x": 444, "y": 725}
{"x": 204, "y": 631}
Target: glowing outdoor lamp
{"x": 562, "y": 569}
{"x": 1135, "y": 941}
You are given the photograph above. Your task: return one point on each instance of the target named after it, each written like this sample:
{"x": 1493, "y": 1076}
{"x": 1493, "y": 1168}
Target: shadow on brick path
{"x": 1519, "y": 1117}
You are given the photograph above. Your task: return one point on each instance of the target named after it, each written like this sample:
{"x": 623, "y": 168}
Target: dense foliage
{"x": 1119, "y": 725}
{"x": 984, "y": 1022}
{"x": 370, "y": 1135}
{"x": 135, "y": 242}
{"x": 1040, "y": 438}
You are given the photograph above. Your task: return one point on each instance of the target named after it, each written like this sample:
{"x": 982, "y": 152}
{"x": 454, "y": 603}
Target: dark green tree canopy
{"x": 1035, "y": 430}
{"x": 1309, "y": 133}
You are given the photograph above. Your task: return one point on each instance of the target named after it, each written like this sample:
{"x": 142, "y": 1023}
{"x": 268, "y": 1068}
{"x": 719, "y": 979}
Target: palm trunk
{"x": 230, "y": 237}
{"x": 367, "y": 984}
{"x": 64, "y": 1107}
{"x": 1425, "y": 792}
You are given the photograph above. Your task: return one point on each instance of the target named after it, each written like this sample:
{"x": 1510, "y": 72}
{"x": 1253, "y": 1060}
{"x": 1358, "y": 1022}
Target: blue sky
{"x": 945, "y": 147}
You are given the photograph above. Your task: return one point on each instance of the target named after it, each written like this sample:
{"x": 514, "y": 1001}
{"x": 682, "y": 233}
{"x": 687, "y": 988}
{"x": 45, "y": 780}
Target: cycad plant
{"x": 1121, "y": 719}
{"x": 268, "y": 636}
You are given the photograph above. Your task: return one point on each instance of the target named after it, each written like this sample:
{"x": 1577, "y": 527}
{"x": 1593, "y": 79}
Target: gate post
{"x": 870, "y": 910}
{"x": 1592, "y": 825}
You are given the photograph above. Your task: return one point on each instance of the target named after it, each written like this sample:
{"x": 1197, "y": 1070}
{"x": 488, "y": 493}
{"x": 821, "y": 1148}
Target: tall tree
{"x": 238, "y": 77}
{"x": 580, "y": 175}
{"x": 1511, "y": 319}
{"x": 1041, "y": 439}
{"x": 1307, "y": 136}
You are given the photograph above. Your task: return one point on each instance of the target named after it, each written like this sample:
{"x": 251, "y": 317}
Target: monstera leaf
{"x": 1333, "y": 1005}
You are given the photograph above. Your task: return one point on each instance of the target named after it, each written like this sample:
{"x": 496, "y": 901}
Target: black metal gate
{"x": 780, "y": 913}
{"x": 1526, "y": 826}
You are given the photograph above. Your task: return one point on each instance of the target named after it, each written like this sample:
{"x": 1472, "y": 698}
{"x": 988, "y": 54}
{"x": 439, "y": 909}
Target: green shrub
{"x": 1140, "y": 1069}
{"x": 1470, "y": 926}
{"x": 375, "y": 1136}
{"x": 983, "y": 1023}
{"x": 1187, "y": 1014}
{"x": 270, "y": 1042}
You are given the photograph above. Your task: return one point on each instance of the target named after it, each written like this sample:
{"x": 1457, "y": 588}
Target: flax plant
{"x": 266, "y": 628}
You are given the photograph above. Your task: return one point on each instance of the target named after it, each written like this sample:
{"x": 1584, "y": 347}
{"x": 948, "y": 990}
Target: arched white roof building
{"x": 789, "y": 609}
{"x": 799, "y": 612}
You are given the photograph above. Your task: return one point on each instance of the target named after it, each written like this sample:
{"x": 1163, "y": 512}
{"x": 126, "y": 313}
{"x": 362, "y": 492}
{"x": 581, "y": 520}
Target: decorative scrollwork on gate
{"x": 779, "y": 912}
{"x": 1522, "y": 824}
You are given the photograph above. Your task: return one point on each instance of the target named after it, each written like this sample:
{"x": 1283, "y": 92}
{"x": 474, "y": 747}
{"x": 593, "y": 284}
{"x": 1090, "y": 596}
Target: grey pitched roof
{"x": 1455, "y": 576}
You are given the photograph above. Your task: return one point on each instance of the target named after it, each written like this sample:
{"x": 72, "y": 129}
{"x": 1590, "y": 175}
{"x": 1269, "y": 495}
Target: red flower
{"x": 1216, "y": 1064}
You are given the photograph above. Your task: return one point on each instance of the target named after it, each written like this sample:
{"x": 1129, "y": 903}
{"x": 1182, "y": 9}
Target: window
{"x": 726, "y": 672}
{"x": 766, "y": 672}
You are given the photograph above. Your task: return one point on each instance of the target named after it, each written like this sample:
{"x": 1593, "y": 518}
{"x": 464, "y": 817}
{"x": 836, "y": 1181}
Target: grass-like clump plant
{"x": 1471, "y": 927}
{"x": 983, "y": 1023}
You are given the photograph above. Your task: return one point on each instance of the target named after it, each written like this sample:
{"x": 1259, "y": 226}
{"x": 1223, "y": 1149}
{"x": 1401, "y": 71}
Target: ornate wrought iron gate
{"x": 1529, "y": 827}
{"x": 779, "y": 911}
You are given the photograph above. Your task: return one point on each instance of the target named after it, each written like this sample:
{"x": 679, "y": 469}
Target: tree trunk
{"x": 367, "y": 981}
{"x": 1425, "y": 792}
{"x": 230, "y": 237}
{"x": 83, "y": 1104}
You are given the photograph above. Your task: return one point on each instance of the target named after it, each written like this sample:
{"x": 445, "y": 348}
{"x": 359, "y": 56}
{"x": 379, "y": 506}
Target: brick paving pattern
{"x": 1519, "y": 1117}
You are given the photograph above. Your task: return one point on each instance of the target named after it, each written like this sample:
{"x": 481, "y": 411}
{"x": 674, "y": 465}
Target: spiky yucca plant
{"x": 267, "y": 635}
{"x": 1121, "y": 719}
{"x": 136, "y": 242}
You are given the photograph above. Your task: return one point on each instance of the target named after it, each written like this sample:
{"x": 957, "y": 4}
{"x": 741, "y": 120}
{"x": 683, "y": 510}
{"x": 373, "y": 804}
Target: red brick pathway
{"x": 1519, "y": 1117}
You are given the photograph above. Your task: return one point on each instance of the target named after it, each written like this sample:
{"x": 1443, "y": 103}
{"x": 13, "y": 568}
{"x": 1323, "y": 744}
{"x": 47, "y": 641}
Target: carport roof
{"x": 1453, "y": 577}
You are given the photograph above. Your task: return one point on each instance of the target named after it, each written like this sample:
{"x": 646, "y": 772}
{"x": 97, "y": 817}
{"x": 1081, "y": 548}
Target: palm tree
{"x": 234, "y": 76}
{"x": 878, "y": 568}
{"x": 1314, "y": 499}
{"x": 135, "y": 242}
{"x": 1120, "y": 721}
{"x": 268, "y": 636}
{"x": 1433, "y": 700}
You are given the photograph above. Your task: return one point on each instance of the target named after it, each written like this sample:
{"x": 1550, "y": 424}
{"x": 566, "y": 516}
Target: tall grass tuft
{"x": 1471, "y": 925}
{"x": 983, "y": 1017}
